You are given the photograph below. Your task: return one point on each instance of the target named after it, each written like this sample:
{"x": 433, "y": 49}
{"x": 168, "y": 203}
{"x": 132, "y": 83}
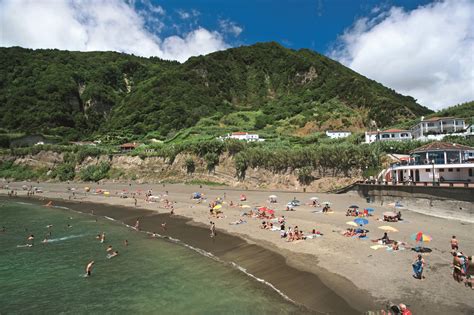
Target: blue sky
{"x": 295, "y": 24}
{"x": 421, "y": 48}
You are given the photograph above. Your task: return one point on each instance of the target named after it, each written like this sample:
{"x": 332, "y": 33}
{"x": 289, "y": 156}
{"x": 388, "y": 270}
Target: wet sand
{"x": 363, "y": 278}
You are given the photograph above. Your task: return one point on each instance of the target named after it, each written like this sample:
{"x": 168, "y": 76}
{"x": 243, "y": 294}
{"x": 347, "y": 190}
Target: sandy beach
{"x": 351, "y": 272}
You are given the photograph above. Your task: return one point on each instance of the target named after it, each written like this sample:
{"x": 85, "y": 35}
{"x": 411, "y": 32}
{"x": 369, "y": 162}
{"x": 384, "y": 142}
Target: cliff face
{"x": 155, "y": 169}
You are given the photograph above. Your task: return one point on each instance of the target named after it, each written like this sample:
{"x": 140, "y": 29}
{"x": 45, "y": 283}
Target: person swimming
{"x": 109, "y": 249}
{"x": 114, "y": 254}
{"x": 89, "y": 267}
{"x": 102, "y": 237}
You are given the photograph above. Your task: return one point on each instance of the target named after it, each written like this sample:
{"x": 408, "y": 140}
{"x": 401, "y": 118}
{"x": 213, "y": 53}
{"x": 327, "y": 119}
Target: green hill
{"x": 259, "y": 87}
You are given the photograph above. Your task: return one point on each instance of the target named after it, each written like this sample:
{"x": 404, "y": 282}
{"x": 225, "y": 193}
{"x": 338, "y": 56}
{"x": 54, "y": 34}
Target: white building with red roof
{"x": 436, "y": 128}
{"x": 435, "y": 162}
{"x": 388, "y": 135}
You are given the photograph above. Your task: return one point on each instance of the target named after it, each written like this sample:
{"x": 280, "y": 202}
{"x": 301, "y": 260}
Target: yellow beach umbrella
{"x": 388, "y": 228}
{"x": 217, "y": 207}
{"x": 106, "y": 193}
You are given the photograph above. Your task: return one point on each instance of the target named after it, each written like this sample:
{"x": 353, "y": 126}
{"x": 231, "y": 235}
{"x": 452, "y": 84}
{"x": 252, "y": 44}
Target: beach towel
{"x": 311, "y": 236}
{"x": 364, "y": 238}
{"x": 390, "y": 249}
{"x": 375, "y": 247}
{"x": 275, "y": 228}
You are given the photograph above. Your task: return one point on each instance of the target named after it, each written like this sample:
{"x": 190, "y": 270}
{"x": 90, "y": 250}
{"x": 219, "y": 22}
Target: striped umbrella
{"x": 421, "y": 237}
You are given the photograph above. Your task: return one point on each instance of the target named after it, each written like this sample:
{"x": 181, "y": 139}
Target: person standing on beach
{"x": 418, "y": 266}
{"x": 89, "y": 267}
{"x": 213, "y": 229}
{"x": 454, "y": 243}
{"x": 135, "y": 201}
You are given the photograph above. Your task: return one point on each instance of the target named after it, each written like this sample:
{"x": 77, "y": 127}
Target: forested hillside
{"x": 76, "y": 94}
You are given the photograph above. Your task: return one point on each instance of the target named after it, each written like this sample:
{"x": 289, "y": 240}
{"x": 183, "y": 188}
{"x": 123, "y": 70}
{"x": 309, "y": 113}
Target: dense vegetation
{"x": 261, "y": 87}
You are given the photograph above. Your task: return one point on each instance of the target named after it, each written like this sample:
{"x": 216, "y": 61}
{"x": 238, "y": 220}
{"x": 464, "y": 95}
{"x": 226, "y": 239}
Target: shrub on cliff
{"x": 64, "y": 172}
{"x": 95, "y": 173}
{"x": 190, "y": 165}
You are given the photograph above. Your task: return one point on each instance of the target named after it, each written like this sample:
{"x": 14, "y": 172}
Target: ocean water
{"x": 150, "y": 276}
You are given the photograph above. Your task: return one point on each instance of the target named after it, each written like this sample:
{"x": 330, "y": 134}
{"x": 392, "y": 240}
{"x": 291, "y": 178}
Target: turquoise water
{"x": 150, "y": 276}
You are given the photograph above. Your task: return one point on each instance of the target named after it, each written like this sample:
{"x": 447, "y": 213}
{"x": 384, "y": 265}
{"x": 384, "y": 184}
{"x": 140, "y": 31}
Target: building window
{"x": 427, "y": 170}
{"x": 441, "y": 169}
{"x": 458, "y": 170}
{"x": 430, "y": 124}
{"x": 470, "y": 172}
{"x": 450, "y": 169}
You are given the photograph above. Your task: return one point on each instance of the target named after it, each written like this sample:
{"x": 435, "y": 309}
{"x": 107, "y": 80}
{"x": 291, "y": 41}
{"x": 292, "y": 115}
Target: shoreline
{"x": 233, "y": 250}
{"x": 367, "y": 279}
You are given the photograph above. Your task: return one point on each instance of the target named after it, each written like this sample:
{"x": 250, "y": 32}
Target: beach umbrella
{"x": 421, "y": 237}
{"x": 269, "y": 211}
{"x": 354, "y": 207}
{"x": 217, "y": 207}
{"x": 388, "y": 228}
{"x": 361, "y": 221}
{"x": 327, "y": 203}
{"x": 314, "y": 198}
{"x": 245, "y": 206}
{"x": 272, "y": 196}
{"x": 351, "y": 223}
{"x": 106, "y": 193}
{"x": 389, "y": 214}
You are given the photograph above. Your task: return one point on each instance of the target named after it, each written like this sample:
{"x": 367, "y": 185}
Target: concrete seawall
{"x": 448, "y": 202}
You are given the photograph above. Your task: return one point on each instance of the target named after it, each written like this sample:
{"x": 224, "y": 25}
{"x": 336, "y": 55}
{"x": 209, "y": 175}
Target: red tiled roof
{"x": 439, "y": 118}
{"x": 129, "y": 145}
{"x": 437, "y": 146}
{"x": 395, "y": 130}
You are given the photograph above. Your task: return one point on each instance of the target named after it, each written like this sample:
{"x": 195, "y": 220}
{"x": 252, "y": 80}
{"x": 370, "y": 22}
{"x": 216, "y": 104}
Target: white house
{"x": 249, "y": 137}
{"x": 434, "y": 162}
{"x": 336, "y": 134}
{"x": 436, "y": 128}
{"x": 388, "y": 135}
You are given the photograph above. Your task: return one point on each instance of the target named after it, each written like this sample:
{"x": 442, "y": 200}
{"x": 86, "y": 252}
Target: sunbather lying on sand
{"x": 239, "y": 221}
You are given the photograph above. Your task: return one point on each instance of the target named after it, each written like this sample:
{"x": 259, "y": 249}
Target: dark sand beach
{"x": 318, "y": 273}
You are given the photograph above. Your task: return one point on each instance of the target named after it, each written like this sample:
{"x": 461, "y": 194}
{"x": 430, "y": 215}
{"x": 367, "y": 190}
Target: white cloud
{"x": 91, "y": 25}
{"x": 228, "y": 26}
{"x": 188, "y": 14}
{"x": 426, "y": 53}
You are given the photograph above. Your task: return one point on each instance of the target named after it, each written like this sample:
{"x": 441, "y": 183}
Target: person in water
{"x": 102, "y": 237}
{"x": 109, "y": 248}
{"x": 125, "y": 242}
{"x": 31, "y": 239}
{"x": 89, "y": 267}
{"x": 109, "y": 256}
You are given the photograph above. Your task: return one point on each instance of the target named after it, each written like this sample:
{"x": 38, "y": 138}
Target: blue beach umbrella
{"x": 361, "y": 221}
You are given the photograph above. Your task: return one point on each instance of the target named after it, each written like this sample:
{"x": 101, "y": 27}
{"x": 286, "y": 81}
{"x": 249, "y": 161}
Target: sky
{"x": 420, "y": 48}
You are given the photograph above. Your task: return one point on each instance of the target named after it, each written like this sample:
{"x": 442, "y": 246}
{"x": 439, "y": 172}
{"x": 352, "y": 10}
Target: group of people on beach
{"x": 463, "y": 268}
